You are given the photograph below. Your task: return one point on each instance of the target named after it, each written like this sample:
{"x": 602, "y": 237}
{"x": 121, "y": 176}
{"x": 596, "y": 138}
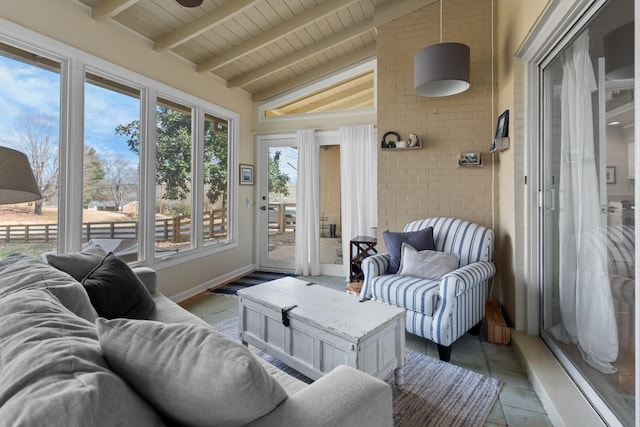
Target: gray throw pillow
{"x": 190, "y": 373}
{"x": 428, "y": 264}
{"x": 53, "y": 372}
{"x": 115, "y": 290}
{"x": 420, "y": 240}
{"x": 77, "y": 264}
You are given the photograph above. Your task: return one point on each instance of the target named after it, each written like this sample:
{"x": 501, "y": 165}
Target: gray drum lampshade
{"x": 618, "y": 53}
{"x": 441, "y": 70}
{"x": 17, "y": 182}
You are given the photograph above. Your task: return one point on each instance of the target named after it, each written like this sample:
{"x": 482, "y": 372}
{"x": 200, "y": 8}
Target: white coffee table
{"x": 322, "y": 328}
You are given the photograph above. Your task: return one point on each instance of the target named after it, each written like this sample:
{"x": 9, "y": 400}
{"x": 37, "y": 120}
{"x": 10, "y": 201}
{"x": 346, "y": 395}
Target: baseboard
{"x": 213, "y": 283}
{"x": 564, "y": 402}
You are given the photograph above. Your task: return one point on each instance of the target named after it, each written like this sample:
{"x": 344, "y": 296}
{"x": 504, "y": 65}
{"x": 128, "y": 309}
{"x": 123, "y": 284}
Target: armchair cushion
{"x": 428, "y": 264}
{"x": 413, "y": 293}
{"x": 420, "y": 240}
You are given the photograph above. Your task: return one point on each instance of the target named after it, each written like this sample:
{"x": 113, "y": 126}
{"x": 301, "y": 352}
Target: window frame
{"x": 74, "y": 64}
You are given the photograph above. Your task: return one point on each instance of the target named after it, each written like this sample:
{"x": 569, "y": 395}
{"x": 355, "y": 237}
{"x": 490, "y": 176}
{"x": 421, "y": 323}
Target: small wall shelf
{"x": 470, "y": 159}
{"x": 499, "y": 144}
{"x": 417, "y": 147}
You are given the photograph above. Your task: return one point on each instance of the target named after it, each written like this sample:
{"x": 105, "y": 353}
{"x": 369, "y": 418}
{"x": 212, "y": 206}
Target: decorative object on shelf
{"x": 246, "y": 174}
{"x": 412, "y": 143}
{"x": 470, "y": 159}
{"x": 502, "y": 127}
{"x": 17, "y": 181}
{"x": 501, "y": 139}
{"x": 441, "y": 69}
{"x": 390, "y": 144}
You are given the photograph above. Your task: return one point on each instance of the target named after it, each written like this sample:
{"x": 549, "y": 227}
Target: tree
{"x": 278, "y": 181}
{"x": 92, "y": 175}
{"x": 119, "y": 179}
{"x": 34, "y": 135}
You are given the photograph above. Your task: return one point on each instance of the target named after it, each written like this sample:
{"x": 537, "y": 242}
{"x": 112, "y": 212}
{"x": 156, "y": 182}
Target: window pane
{"x": 173, "y": 176}
{"x": 216, "y": 180}
{"x": 330, "y": 224}
{"x": 30, "y": 94}
{"x": 111, "y": 165}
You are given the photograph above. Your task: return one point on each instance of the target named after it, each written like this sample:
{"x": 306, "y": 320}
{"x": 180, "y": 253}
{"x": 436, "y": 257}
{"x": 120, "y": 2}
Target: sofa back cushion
{"x": 20, "y": 272}
{"x": 52, "y": 372}
{"x": 191, "y": 374}
{"x": 472, "y": 242}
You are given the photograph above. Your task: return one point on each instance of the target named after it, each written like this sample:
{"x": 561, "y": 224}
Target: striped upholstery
{"x": 444, "y": 310}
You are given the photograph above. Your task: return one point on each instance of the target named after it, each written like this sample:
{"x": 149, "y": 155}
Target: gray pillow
{"x": 420, "y": 240}
{"x": 115, "y": 290}
{"x": 190, "y": 373}
{"x": 77, "y": 264}
{"x": 53, "y": 371}
{"x": 428, "y": 264}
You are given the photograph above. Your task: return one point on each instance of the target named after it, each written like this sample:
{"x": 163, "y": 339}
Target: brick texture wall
{"x": 425, "y": 183}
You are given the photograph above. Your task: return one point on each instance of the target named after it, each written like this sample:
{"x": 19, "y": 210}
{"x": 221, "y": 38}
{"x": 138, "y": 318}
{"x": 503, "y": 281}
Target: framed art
{"x": 611, "y": 175}
{"x": 502, "y": 127}
{"x": 246, "y": 174}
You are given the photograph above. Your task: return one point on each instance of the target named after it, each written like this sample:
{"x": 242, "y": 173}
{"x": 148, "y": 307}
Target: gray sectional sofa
{"x": 63, "y": 363}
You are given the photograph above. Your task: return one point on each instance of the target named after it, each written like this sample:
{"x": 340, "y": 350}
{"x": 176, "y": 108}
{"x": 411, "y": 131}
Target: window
{"x": 157, "y": 165}
{"x": 30, "y": 93}
{"x": 111, "y": 164}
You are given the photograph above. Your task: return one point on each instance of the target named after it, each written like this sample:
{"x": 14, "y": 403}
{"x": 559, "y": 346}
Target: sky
{"x": 27, "y": 89}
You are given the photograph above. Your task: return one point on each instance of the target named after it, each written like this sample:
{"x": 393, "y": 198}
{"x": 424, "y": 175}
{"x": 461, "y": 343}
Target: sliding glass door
{"x": 588, "y": 227}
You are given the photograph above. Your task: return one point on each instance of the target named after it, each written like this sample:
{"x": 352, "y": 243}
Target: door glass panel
{"x": 30, "y": 94}
{"x": 588, "y": 223}
{"x": 330, "y": 224}
{"x": 281, "y": 205}
{"x": 110, "y": 168}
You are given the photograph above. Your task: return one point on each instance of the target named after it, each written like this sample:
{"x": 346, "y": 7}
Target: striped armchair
{"x": 439, "y": 310}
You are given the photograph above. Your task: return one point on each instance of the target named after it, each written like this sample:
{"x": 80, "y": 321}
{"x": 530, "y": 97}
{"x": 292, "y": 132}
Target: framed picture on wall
{"x": 246, "y": 175}
{"x": 611, "y": 175}
{"x": 502, "y": 127}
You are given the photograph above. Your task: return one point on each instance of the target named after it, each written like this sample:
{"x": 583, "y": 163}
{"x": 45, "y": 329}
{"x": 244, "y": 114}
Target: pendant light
{"x": 441, "y": 69}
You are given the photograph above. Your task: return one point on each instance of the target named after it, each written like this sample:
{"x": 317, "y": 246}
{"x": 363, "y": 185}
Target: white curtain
{"x": 308, "y": 205}
{"x": 359, "y": 177}
{"x": 586, "y": 305}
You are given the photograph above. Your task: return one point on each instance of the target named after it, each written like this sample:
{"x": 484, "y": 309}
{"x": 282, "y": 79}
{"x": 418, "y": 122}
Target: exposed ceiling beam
{"x": 110, "y": 8}
{"x": 324, "y": 70}
{"x": 275, "y": 33}
{"x": 395, "y": 9}
{"x": 302, "y": 54}
{"x": 202, "y": 24}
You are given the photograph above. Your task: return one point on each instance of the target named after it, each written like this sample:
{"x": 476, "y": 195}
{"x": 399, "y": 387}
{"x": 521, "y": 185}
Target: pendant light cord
{"x": 440, "y": 21}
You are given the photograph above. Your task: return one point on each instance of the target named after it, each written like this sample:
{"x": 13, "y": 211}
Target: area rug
{"x": 434, "y": 393}
{"x": 251, "y": 279}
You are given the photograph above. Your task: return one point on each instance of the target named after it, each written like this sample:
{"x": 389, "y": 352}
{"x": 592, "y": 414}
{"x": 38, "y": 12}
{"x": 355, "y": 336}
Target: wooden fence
{"x": 175, "y": 230}
{"x": 282, "y": 217}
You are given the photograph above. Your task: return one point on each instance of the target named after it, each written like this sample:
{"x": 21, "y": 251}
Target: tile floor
{"x": 518, "y": 405}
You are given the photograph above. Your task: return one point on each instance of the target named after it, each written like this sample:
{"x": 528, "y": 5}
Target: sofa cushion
{"x": 427, "y": 264}
{"x": 420, "y": 240}
{"x": 19, "y": 272}
{"x": 115, "y": 290}
{"x": 191, "y": 374}
{"x": 77, "y": 264}
{"x": 52, "y": 372}
{"x": 413, "y": 293}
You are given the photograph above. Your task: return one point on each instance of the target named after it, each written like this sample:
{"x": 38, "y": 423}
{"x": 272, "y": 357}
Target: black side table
{"x": 361, "y": 247}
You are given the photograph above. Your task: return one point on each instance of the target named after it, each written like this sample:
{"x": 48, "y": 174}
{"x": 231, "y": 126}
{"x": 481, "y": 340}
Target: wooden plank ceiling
{"x": 267, "y": 47}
